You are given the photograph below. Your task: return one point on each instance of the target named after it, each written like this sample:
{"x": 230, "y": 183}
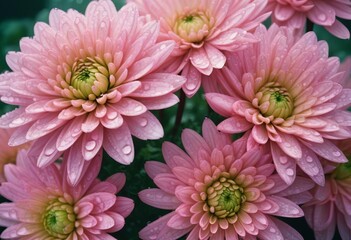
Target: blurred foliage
{"x": 18, "y": 22}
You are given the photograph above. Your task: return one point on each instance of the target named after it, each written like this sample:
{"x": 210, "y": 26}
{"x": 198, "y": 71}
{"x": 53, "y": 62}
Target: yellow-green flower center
{"x": 225, "y": 197}
{"x": 89, "y": 78}
{"x": 274, "y": 100}
{"x": 59, "y": 219}
{"x": 193, "y": 27}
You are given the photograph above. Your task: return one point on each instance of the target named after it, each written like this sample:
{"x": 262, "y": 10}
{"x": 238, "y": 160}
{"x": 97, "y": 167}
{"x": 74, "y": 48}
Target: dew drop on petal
{"x": 294, "y": 211}
{"x": 322, "y": 16}
{"x": 309, "y": 159}
{"x": 143, "y": 122}
{"x": 283, "y": 160}
{"x": 49, "y": 151}
{"x": 272, "y": 230}
{"x": 112, "y": 115}
{"x": 289, "y": 172}
{"x": 90, "y": 145}
{"x": 127, "y": 149}
{"x": 138, "y": 108}
{"x": 190, "y": 86}
{"x": 337, "y": 154}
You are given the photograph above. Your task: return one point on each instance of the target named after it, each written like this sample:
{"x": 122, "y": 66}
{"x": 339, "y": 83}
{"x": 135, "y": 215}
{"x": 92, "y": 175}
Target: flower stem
{"x": 180, "y": 111}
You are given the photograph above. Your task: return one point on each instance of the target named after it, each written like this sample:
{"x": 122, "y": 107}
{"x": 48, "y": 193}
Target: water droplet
{"x": 112, "y": 115}
{"x": 289, "y": 172}
{"x": 127, "y": 149}
{"x": 49, "y": 151}
{"x": 322, "y": 16}
{"x": 143, "y": 122}
{"x": 138, "y": 108}
{"x": 294, "y": 211}
{"x": 190, "y": 86}
{"x": 272, "y": 230}
{"x": 283, "y": 160}
{"x": 90, "y": 145}
{"x": 337, "y": 154}
{"x": 309, "y": 159}
{"x": 146, "y": 87}
{"x": 162, "y": 46}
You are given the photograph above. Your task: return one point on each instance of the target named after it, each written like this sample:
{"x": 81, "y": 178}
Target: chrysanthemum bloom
{"x": 88, "y": 81}
{"x": 285, "y": 94}
{"x": 202, "y": 30}
{"x": 45, "y": 206}
{"x": 331, "y": 205}
{"x": 217, "y": 190}
{"x": 7, "y": 154}
{"x": 293, "y": 13}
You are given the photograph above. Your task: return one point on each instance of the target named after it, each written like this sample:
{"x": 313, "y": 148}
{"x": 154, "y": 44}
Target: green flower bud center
{"x": 192, "y": 27}
{"x": 59, "y": 219}
{"x": 275, "y": 101}
{"x": 225, "y": 197}
{"x": 89, "y": 78}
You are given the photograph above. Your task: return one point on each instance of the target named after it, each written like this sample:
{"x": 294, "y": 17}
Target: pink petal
{"x": 234, "y": 124}
{"x": 129, "y": 107}
{"x": 157, "y": 198}
{"x": 259, "y": 133}
{"x": 118, "y": 144}
{"x": 92, "y": 143}
{"x": 286, "y": 207}
{"x": 212, "y": 136}
{"x": 216, "y": 57}
{"x": 178, "y": 222}
{"x": 174, "y": 156}
{"x": 101, "y": 201}
{"x": 161, "y": 102}
{"x": 310, "y": 164}
{"x": 193, "y": 142}
{"x": 339, "y": 30}
{"x": 123, "y": 206}
{"x": 193, "y": 80}
{"x": 69, "y": 134}
{"x": 167, "y": 182}
{"x": 285, "y": 165}
{"x": 327, "y": 150}
{"x": 118, "y": 180}
{"x": 75, "y": 164}
{"x": 153, "y": 168}
{"x": 145, "y": 126}
{"x": 290, "y": 145}
{"x": 221, "y": 104}
{"x": 287, "y": 231}
{"x": 200, "y": 61}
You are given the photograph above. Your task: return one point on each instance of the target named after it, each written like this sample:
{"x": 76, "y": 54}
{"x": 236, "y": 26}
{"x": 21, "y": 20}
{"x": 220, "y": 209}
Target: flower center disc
{"x": 89, "y": 78}
{"x": 274, "y": 100}
{"x": 192, "y": 28}
{"x": 59, "y": 219}
{"x": 225, "y": 197}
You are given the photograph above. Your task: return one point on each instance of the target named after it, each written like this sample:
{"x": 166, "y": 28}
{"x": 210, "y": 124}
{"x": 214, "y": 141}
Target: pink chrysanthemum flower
{"x": 202, "y": 30}
{"x": 217, "y": 190}
{"x": 285, "y": 94}
{"x": 8, "y": 154}
{"x": 293, "y": 13}
{"x": 88, "y": 81}
{"x": 45, "y": 206}
{"x": 331, "y": 205}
